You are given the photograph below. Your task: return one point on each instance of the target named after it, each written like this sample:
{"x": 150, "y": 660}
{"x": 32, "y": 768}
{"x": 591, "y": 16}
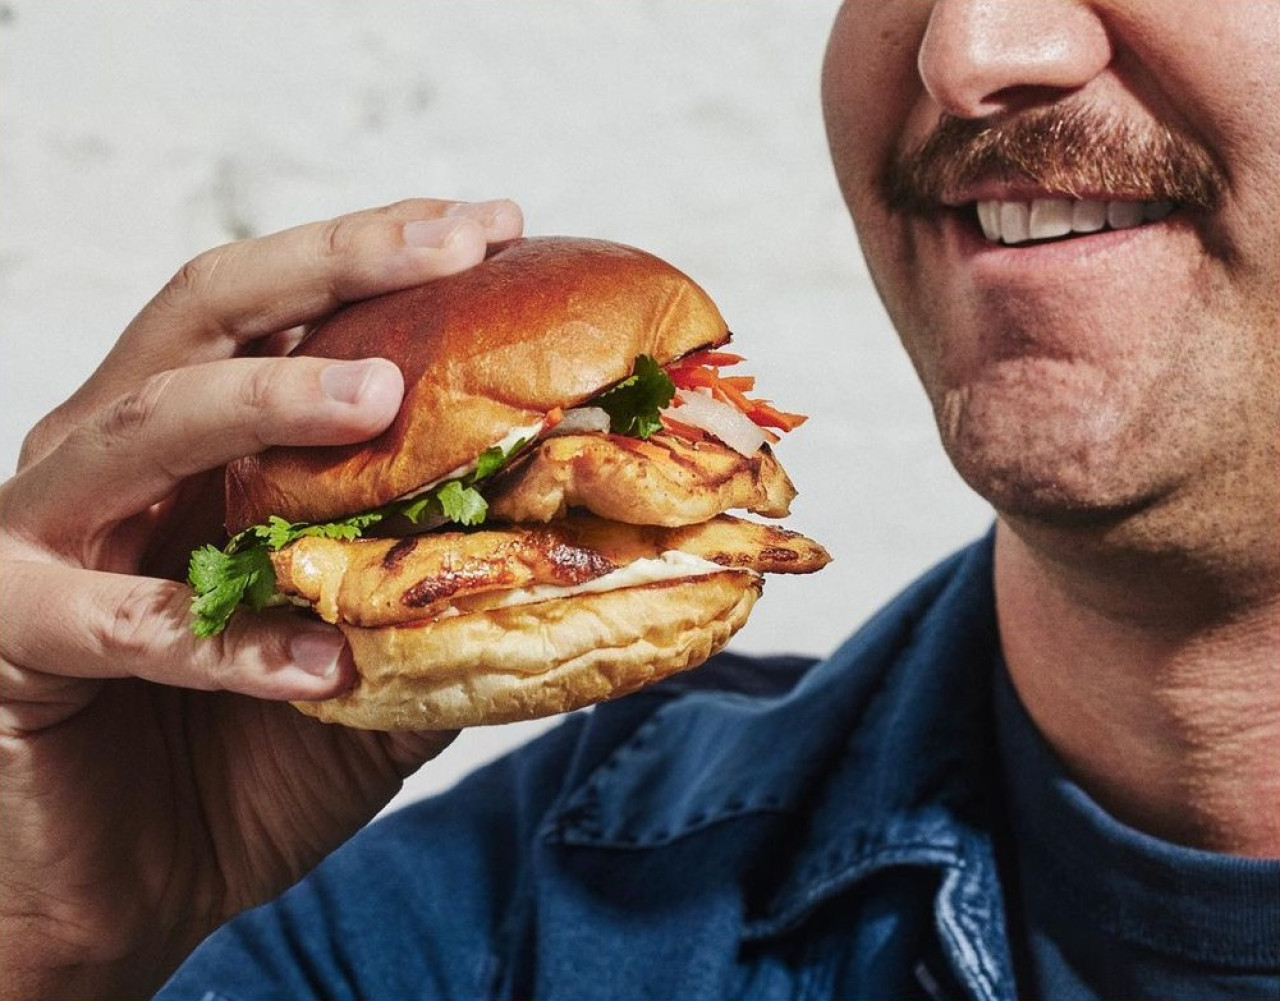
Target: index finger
{"x": 127, "y": 626}
{"x": 135, "y": 452}
{"x": 234, "y": 294}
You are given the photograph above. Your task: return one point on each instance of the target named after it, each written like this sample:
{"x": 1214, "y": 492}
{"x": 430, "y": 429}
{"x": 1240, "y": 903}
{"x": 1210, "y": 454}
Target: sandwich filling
{"x": 422, "y": 578}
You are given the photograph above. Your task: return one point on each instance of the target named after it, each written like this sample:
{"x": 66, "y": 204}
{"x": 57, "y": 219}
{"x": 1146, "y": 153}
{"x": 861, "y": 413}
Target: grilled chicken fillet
{"x": 661, "y": 480}
{"x": 378, "y": 582}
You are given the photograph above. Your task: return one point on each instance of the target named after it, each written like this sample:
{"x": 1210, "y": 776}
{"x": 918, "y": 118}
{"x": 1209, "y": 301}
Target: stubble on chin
{"x": 1042, "y": 439}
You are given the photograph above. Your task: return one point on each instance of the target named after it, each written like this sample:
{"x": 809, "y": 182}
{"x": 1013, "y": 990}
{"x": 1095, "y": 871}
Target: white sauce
{"x": 671, "y": 565}
{"x": 510, "y": 441}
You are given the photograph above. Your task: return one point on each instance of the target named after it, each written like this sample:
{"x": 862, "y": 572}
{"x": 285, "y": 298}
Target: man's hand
{"x": 153, "y": 784}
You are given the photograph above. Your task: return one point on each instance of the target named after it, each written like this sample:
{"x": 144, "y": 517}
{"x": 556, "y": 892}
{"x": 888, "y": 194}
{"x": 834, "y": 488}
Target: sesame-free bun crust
{"x": 543, "y": 322}
{"x": 529, "y": 661}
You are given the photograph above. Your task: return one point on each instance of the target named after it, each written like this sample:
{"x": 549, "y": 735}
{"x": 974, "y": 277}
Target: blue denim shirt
{"x": 735, "y": 833}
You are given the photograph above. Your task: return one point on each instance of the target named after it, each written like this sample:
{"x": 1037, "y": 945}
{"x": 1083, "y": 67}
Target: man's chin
{"x": 1066, "y": 515}
{"x": 1051, "y": 442}
{"x": 1054, "y": 496}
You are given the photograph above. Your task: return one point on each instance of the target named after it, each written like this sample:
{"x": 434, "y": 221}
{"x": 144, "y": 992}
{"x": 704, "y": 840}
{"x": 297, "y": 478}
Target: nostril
{"x": 1011, "y": 100}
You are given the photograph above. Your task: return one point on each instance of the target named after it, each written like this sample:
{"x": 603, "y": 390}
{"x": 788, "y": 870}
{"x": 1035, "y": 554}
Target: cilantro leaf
{"x": 279, "y": 533}
{"x": 344, "y": 530}
{"x": 493, "y": 459}
{"x": 458, "y": 500}
{"x": 207, "y": 567}
{"x": 634, "y": 404}
{"x": 223, "y": 580}
{"x": 462, "y": 504}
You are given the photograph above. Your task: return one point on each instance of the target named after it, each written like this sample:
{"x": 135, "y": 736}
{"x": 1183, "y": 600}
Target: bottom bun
{"x": 528, "y": 661}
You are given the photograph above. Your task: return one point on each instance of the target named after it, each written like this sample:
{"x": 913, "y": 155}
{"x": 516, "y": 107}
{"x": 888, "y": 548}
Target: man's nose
{"x": 987, "y": 57}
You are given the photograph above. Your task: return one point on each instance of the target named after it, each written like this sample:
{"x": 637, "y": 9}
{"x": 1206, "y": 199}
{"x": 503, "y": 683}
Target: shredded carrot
{"x": 701, "y": 371}
{"x": 711, "y": 357}
{"x": 695, "y": 378}
{"x": 766, "y": 415}
{"x": 728, "y": 394}
{"x": 554, "y": 416}
{"x": 683, "y": 430}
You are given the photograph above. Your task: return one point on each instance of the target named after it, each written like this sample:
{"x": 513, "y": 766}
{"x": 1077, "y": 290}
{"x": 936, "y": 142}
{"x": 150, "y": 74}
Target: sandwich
{"x": 545, "y": 524}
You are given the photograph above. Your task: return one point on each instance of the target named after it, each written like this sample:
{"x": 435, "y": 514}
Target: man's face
{"x": 1079, "y": 374}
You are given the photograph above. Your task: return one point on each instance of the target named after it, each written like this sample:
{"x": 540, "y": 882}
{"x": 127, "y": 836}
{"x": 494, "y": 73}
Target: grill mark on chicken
{"x": 539, "y": 556}
{"x": 448, "y": 583}
{"x": 398, "y": 553}
{"x": 575, "y": 565}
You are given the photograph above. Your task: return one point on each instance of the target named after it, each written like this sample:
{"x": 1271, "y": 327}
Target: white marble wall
{"x": 133, "y": 135}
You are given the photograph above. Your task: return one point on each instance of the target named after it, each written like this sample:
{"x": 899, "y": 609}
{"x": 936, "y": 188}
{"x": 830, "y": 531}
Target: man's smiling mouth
{"x": 1014, "y": 222}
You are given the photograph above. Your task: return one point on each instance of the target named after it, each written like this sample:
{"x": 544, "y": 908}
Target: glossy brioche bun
{"x": 543, "y": 322}
{"x": 528, "y": 661}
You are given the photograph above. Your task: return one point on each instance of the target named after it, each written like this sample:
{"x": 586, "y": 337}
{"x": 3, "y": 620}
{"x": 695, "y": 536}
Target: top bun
{"x": 543, "y": 322}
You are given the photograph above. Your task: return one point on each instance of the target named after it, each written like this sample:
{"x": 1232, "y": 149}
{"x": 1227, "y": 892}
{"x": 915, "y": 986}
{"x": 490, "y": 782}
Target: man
{"x": 1048, "y": 768}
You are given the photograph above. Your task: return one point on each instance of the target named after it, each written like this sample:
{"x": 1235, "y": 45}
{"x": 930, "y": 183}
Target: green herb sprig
{"x": 634, "y": 405}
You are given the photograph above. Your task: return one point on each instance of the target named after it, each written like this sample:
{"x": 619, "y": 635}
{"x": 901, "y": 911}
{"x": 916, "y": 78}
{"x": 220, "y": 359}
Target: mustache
{"x": 1072, "y": 152}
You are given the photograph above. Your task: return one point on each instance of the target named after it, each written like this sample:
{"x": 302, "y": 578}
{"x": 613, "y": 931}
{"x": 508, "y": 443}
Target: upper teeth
{"x": 1046, "y": 218}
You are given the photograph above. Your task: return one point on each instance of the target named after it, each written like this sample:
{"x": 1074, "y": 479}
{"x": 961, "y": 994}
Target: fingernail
{"x": 429, "y": 233}
{"x": 351, "y": 381}
{"x": 317, "y": 652}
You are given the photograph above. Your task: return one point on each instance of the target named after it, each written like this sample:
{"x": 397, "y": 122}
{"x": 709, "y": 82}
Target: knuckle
{"x": 258, "y": 394}
{"x": 131, "y": 414}
{"x": 193, "y": 280}
{"x": 337, "y": 238}
{"x": 144, "y": 616}
{"x": 192, "y": 294}
{"x": 257, "y": 389}
{"x": 337, "y": 254}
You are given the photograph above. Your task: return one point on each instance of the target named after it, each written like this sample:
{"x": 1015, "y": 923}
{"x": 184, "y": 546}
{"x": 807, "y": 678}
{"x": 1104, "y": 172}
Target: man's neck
{"x": 1168, "y": 716}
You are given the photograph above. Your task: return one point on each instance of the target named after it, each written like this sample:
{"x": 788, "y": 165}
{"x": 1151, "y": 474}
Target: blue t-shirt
{"x": 1104, "y": 911}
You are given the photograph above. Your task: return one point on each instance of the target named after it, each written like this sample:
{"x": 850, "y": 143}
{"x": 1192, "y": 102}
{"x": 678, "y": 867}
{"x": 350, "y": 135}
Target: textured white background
{"x": 134, "y": 135}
